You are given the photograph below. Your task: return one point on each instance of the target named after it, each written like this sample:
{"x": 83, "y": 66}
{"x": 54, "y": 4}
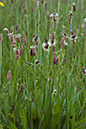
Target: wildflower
{"x": 1, "y": 37}
{"x": 25, "y": 11}
{"x": 7, "y": 31}
{"x": 53, "y": 37}
{"x": 42, "y": 1}
{"x": 28, "y": 63}
{"x": 63, "y": 42}
{"x": 54, "y": 92}
{"x": 33, "y": 100}
{"x": 55, "y": 22}
{"x": 55, "y": 59}
{"x": 16, "y": 27}
{"x": 37, "y": 43}
{"x": 36, "y": 40}
{"x": 45, "y": 45}
{"x": 11, "y": 1}
{"x": 84, "y": 25}
{"x": 37, "y": 2}
{"x": 21, "y": 88}
{"x": 73, "y": 37}
{"x": 52, "y": 42}
{"x": 70, "y": 17}
{"x": 11, "y": 30}
{"x": 1, "y": 4}
{"x": 49, "y": 79}
{"x": 22, "y": 1}
{"x": 72, "y": 32}
{"x": 21, "y": 49}
{"x": 43, "y": 111}
{"x": 63, "y": 39}
{"x": 18, "y": 39}
{"x": 54, "y": 16}
{"x": 24, "y": 6}
{"x": 37, "y": 62}
{"x": 74, "y": 9}
{"x": 54, "y": 48}
{"x": 33, "y": 51}
{"x": 17, "y": 54}
{"x": 8, "y": 74}
{"x": 45, "y": 6}
{"x": 24, "y": 37}
{"x": 13, "y": 42}
{"x": 84, "y": 70}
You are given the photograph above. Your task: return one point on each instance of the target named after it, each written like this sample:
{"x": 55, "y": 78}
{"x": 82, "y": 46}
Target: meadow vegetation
{"x": 43, "y": 64}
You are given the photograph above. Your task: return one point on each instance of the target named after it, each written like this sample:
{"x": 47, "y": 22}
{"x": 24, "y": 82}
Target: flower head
{"x": 8, "y": 74}
{"x": 21, "y": 88}
{"x": 45, "y": 45}
{"x": 1, "y": 4}
{"x": 74, "y": 8}
{"x": 33, "y": 51}
{"x": 84, "y": 70}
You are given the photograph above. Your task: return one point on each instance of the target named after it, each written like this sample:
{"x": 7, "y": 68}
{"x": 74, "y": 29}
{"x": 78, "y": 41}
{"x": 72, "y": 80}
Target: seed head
{"x": 33, "y": 51}
{"x": 25, "y": 10}
{"x": 8, "y": 74}
{"x": 1, "y": 37}
{"x": 21, "y": 88}
{"x": 16, "y": 27}
{"x": 12, "y": 30}
{"x": 74, "y": 8}
{"x": 53, "y": 37}
{"x": 21, "y": 49}
{"x": 84, "y": 70}
{"x": 24, "y": 37}
{"x": 54, "y": 57}
{"x": 70, "y": 17}
{"x": 17, "y": 53}
{"x": 18, "y": 39}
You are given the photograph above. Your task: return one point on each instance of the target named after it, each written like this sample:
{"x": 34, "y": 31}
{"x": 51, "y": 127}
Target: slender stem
{"x": 15, "y": 103}
{"x": 0, "y": 60}
{"x": 0, "y": 72}
{"x": 71, "y": 19}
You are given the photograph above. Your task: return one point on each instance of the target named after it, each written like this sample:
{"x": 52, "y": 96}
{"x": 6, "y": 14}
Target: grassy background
{"x": 37, "y": 107}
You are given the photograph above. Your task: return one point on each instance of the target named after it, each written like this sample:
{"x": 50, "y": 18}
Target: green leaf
{"x": 10, "y": 125}
{"x": 22, "y": 113}
{"x": 80, "y": 123}
{"x": 54, "y": 120}
{"x": 1, "y": 126}
{"x": 73, "y": 114}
